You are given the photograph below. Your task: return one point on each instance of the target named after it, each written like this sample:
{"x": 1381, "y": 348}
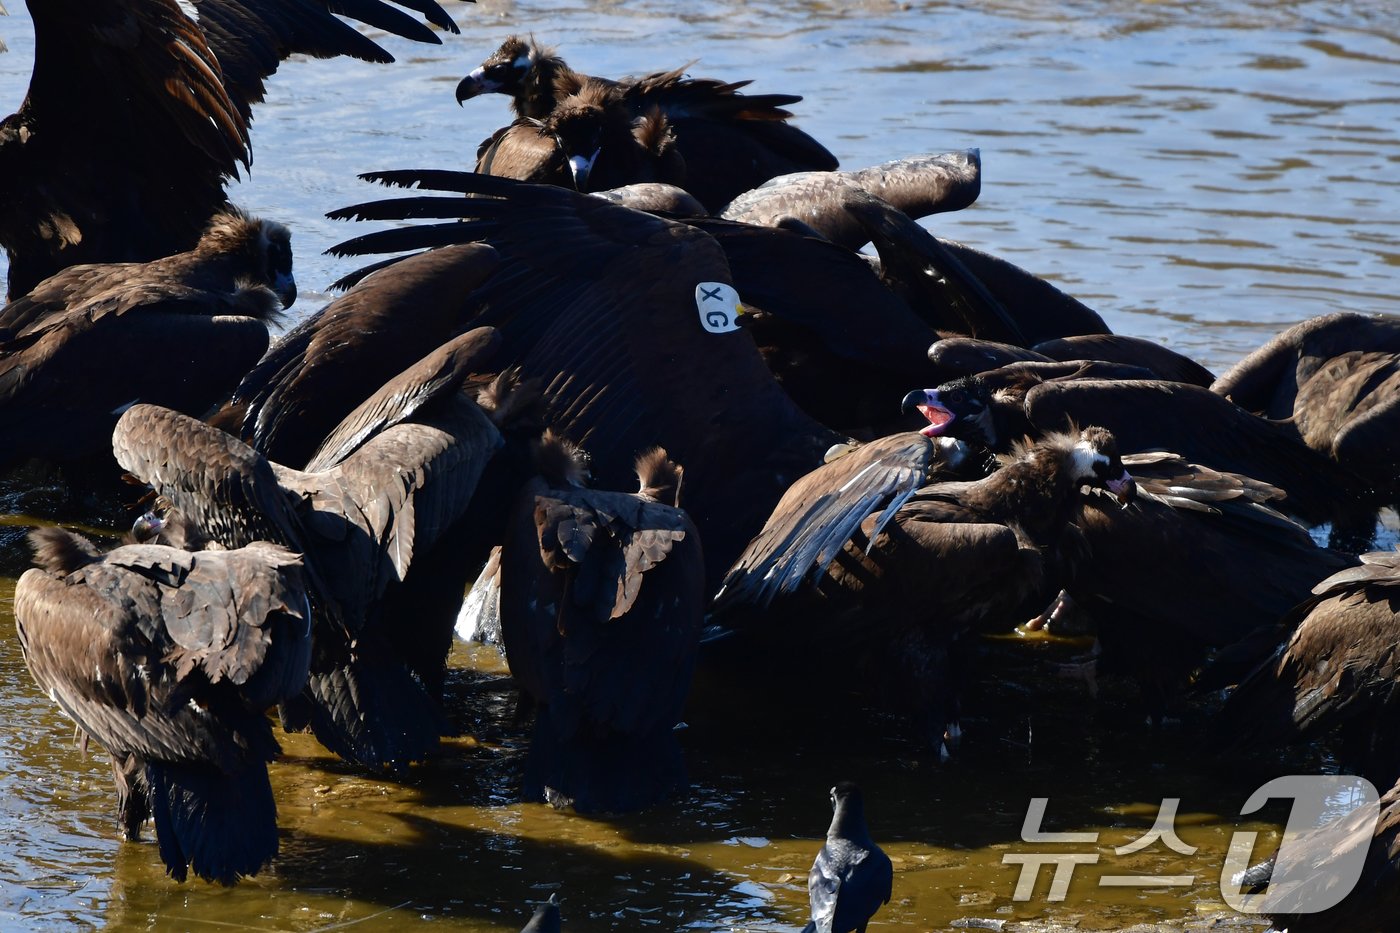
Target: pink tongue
{"x": 938, "y": 419}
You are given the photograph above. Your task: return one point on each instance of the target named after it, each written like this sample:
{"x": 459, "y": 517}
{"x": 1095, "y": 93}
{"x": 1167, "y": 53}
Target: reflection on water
{"x": 1202, "y": 174}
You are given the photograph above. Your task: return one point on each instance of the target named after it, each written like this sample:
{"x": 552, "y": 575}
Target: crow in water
{"x": 851, "y": 877}
{"x": 546, "y": 918}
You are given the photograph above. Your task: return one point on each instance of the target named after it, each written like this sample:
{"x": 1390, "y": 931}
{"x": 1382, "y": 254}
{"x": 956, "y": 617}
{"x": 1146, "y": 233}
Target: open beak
{"x": 925, "y": 402}
{"x": 1124, "y": 489}
{"x": 286, "y": 288}
{"x": 474, "y": 84}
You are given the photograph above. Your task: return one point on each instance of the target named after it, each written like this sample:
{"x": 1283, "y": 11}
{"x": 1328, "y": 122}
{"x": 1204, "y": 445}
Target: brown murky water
{"x": 1203, "y": 174}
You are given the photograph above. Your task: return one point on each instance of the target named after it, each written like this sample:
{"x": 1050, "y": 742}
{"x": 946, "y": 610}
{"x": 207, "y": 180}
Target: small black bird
{"x": 546, "y": 918}
{"x": 852, "y": 876}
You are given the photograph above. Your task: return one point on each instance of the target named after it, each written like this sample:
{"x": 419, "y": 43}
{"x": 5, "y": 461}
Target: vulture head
{"x": 504, "y": 72}
{"x": 263, "y": 249}
{"x": 961, "y": 408}
{"x": 1092, "y": 460}
{"x": 584, "y": 123}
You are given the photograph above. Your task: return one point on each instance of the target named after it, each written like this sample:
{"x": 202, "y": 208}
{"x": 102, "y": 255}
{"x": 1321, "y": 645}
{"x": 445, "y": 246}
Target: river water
{"x": 1202, "y": 174}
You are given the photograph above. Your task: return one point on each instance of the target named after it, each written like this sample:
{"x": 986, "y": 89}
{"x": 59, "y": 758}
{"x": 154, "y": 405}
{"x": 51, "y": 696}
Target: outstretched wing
{"x": 165, "y": 97}
{"x": 822, "y": 511}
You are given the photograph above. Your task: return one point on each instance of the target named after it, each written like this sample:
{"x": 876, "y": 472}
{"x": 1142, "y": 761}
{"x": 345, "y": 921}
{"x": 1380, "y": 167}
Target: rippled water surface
{"x": 1202, "y": 174}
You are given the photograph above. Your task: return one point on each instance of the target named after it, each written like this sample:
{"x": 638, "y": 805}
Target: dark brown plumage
{"x": 600, "y": 304}
{"x": 178, "y": 332}
{"x": 170, "y": 660}
{"x": 602, "y": 598}
{"x": 1338, "y": 378}
{"x": 589, "y": 142}
{"x": 389, "y": 488}
{"x": 1336, "y": 674}
{"x": 997, "y": 407}
{"x": 967, "y": 356}
{"x": 176, "y": 94}
{"x": 1373, "y": 901}
{"x": 729, "y": 141}
{"x": 925, "y": 565}
{"x": 333, "y": 360}
{"x": 235, "y": 253}
{"x": 1246, "y": 564}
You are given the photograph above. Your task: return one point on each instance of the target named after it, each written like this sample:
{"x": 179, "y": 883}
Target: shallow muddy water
{"x": 1202, "y": 174}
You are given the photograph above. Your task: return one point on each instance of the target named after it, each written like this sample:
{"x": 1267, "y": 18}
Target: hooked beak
{"x": 147, "y": 527}
{"x": 473, "y": 84}
{"x": 1124, "y": 489}
{"x": 285, "y": 286}
{"x": 925, "y": 402}
{"x": 579, "y": 167}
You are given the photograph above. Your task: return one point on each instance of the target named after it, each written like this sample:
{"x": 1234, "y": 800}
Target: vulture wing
{"x": 166, "y": 97}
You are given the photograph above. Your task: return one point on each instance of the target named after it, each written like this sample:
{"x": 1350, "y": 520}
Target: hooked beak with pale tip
{"x": 474, "y": 84}
{"x": 926, "y": 403}
{"x": 147, "y": 527}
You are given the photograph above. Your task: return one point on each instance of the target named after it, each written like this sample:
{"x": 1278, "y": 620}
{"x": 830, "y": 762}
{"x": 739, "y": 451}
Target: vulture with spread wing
{"x": 619, "y": 315}
{"x": 165, "y": 97}
{"x": 379, "y": 496}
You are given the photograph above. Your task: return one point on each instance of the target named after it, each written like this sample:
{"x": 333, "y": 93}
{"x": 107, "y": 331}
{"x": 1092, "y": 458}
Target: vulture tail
{"x": 223, "y": 826}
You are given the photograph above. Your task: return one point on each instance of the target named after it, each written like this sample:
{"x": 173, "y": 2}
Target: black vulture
{"x": 1336, "y": 674}
{"x": 627, "y": 321}
{"x": 381, "y": 495}
{"x": 602, "y": 598}
{"x": 729, "y": 141}
{"x": 165, "y": 96}
{"x": 589, "y": 142}
{"x": 998, "y": 407}
{"x": 170, "y": 659}
{"x": 886, "y": 574}
{"x": 178, "y": 332}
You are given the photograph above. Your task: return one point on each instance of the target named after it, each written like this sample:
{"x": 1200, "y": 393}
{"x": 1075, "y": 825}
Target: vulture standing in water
{"x": 590, "y": 142}
{"x": 630, "y": 333}
{"x": 896, "y": 571}
{"x": 171, "y": 92}
{"x": 381, "y": 494}
{"x": 177, "y": 332}
{"x": 602, "y": 598}
{"x": 729, "y": 141}
{"x": 170, "y": 659}
{"x": 1336, "y": 674}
